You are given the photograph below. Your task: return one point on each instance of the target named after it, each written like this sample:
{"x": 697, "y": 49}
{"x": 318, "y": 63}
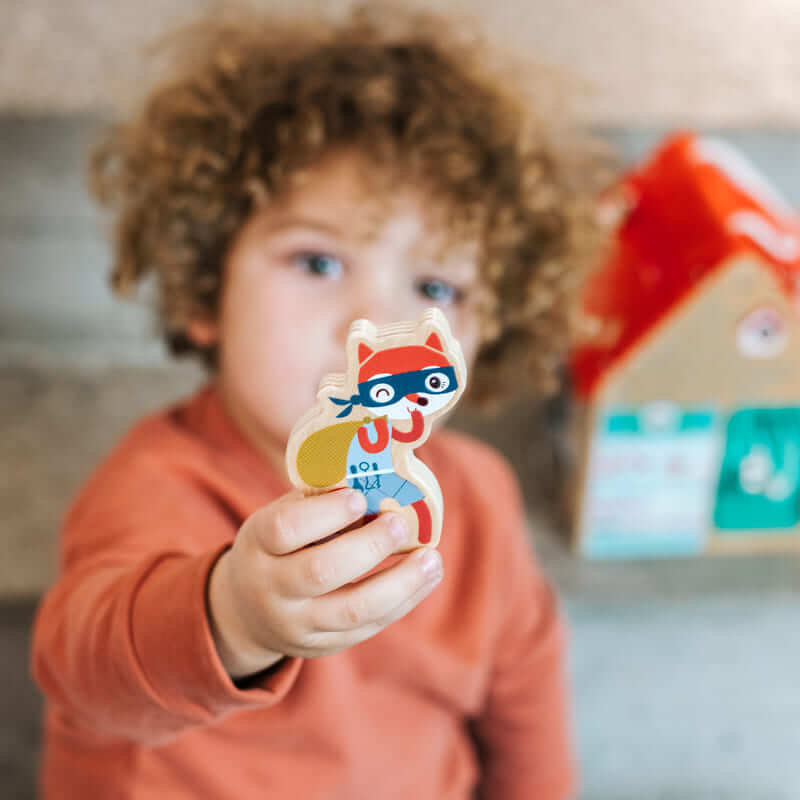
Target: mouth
{"x": 420, "y": 402}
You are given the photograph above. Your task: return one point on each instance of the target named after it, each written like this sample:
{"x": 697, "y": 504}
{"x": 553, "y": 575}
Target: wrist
{"x": 238, "y": 655}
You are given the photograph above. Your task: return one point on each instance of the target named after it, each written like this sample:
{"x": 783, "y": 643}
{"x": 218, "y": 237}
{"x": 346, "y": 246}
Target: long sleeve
{"x": 524, "y": 729}
{"x": 122, "y": 641}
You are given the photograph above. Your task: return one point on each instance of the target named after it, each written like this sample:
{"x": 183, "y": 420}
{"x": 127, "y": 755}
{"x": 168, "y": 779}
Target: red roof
{"x": 695, "y": 203}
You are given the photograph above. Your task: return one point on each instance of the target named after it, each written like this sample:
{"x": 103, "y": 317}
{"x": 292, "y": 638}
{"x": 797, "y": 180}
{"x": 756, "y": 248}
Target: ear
{"x": 434, "y": 342}
{"x": 203, "y": 332}
{"x": 364, "y": 352}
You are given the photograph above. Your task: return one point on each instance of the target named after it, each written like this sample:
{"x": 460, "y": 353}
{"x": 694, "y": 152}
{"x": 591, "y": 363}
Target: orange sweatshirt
{"x": 467, "y": 689}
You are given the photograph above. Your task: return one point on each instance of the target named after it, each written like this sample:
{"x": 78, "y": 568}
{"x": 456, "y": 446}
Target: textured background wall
{"x": 695, "y": 61}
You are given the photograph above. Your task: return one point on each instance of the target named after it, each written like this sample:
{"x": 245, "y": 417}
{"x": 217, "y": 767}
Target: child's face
{"x": 302, "y": 269}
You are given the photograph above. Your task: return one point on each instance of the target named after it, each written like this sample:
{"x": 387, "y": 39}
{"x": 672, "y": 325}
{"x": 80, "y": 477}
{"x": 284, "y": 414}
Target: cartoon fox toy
{"x": 402, "y": 376}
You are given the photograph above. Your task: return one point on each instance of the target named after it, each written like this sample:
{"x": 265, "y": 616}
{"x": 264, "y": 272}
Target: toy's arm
{"x": 380, "y": 443}
{"x": 417, "y": 429}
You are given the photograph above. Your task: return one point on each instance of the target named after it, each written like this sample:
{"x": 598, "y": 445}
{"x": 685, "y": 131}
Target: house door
{"x": 759, "y": 483}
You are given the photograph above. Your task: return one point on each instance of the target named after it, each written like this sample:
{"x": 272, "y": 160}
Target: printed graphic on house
{"x": 687, "y": 424}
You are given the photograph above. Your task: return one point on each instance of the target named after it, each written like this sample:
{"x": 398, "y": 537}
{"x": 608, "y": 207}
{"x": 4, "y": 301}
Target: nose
{"x": 415, "y": 398}
{"x": 371, "y": 294}
{"x": 376, "y": 312}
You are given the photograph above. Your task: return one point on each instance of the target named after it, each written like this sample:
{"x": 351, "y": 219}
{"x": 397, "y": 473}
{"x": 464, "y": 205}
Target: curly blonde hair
{"x": 249, "y": 100}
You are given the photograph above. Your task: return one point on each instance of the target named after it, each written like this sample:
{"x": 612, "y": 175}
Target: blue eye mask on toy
{"x": 387, "y": 390}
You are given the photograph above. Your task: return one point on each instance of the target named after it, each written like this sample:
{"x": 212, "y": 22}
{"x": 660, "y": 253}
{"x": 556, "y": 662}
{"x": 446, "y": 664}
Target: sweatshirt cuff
{"x": 172, "y": 639}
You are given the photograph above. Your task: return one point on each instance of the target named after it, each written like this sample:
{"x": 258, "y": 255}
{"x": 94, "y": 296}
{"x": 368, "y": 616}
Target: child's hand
{"x": 271, "y": 595}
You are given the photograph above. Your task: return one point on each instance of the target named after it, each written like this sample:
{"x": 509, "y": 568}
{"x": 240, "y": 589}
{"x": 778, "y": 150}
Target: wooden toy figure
{"x": 364, "y": 427}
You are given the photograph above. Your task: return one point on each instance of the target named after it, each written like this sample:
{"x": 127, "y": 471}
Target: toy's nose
{"x": 415, "y": 398}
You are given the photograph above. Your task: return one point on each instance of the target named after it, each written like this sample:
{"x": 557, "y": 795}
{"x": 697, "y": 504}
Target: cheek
{"x": 268, "y": 348}
{"x": 256, "y": 325}
{"x": 274, "y": 339}
{"x": 465, "y": 330}
{"x": 437, "y": 401}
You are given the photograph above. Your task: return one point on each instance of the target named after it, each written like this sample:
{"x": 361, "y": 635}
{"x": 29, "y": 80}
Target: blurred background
{"x": 684, "y": 671}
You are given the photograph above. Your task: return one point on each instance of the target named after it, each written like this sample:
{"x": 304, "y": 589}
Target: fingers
{"x": 325, "y": 567}
{"x": 295, "y": 521}
{"x": 369, "y": 606}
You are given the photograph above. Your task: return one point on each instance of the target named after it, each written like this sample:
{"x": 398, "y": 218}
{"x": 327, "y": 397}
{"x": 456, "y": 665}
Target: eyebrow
{"x": 447, "y": 264}
{"x": 303, "y": 222}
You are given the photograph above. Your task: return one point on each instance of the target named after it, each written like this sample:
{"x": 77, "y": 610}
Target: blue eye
{"x": 320, "y": 264}
{"x": 439, "y": 291}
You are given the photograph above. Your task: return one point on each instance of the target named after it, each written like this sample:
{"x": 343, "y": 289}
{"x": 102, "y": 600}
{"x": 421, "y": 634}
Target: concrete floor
{"x": 684, "y": 672}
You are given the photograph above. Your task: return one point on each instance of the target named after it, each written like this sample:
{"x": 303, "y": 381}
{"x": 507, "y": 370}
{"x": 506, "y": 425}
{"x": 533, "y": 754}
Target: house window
{"x": 762, "y": 333}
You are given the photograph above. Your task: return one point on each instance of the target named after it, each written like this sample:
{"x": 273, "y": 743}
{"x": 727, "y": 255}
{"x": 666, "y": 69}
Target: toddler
{"x": 208, "y": 635}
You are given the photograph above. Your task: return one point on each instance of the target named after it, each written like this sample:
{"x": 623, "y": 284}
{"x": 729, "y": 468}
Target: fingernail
{"x": 356, "y": 502}
{"x": 397, "y": 528}
{"x": 431, "y": 564}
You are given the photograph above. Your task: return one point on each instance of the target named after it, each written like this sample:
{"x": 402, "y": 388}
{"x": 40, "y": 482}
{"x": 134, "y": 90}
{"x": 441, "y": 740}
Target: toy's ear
{"x": 364, "y": 352}
{"x": 434, "y": 341}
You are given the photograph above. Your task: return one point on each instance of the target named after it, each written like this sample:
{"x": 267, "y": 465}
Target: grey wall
{"x": 54, "y": 251}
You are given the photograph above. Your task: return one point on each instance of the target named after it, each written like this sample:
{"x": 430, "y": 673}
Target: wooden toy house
{"x": 687, "y": 396}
